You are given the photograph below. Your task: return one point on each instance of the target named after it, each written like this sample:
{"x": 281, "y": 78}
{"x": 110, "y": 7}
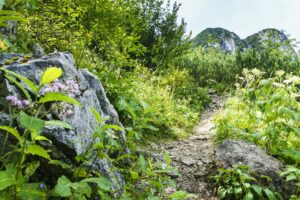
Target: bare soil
{"x": 194, "y": 157}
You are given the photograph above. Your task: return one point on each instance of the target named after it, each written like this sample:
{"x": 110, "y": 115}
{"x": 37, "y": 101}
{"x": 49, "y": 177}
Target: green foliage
{"x": 150, "y": 179}
{"x": 266, "y": 112}
{"x": 122, "y": 33}
{"x": 180, "y": 195}
{"x": 15, "y": 166}
{"x": 55, "y": 96}
{"x": 211, "y": 67}
{"x": 292, "y": 174}
{"x": 147, "y": 103}
{"x": 50, "y": 75}
{"x": 237, "y": 183}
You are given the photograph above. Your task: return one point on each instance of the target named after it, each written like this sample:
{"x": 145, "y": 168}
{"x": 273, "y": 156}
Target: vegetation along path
{"x": 194, "y": 157}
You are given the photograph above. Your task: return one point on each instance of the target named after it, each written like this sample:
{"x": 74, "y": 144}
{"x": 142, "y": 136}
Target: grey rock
{"x": 10, "y": 29}
{"x": 69, "y": 143}
{"x": 188, "y": 161}
{"x": 237, "y": 152}
{"x": 37, "y": 51}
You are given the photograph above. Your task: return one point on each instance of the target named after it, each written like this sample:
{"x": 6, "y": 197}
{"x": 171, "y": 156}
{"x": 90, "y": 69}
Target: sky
{"x": 244, "y": 17}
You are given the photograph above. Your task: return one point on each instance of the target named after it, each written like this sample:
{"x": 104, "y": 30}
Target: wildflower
{"x": 279, "y": 73}
{"x": 14, "y": 101}
{"x": 26, "y": 102}
{"x": 66, "y": 110}
{"x": 72, "y": 88}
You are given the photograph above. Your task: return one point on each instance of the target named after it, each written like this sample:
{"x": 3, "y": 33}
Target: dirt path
{"x": 193, "y": 157}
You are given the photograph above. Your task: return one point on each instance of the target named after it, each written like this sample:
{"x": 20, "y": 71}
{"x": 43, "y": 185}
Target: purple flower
{"x": 41, "y": 186}
{"x": 14, "y": 101}
{"x": 26, "y": 103}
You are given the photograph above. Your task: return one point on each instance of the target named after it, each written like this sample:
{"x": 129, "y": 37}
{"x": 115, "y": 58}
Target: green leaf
{"x": 167, "y": 158}
{"x": 35, "y": 149}
{"x": 249, "y": 196}
{"x": 112, "y": 126}
{"x": 56, "y": 96}
{"x": 178, "y": 195}
{"x": 58, "y": 123}
{"x": 269, "y": 194}
{"x": 31, "y": 191}
{"x": 96, "y": 115}
{"x": 103, "y": 183}
{"x": 82, "y": 188}
{"x": 28, "y": 82}
{"x": 291, "y": 177}
{"x": 62, "y": 188}
{"x": 14, "y": 81}
{"x": 31, "y": 123}
{"x": 31, "y": 168}
{"x": 143, "y": 164}
{"x": 60, "y": 163}
{"x": 12, "y": 131}
{"x": 50, "y": 75}
{"x": 134, "y": 175}
{"x": 257, "y": 190}
{"x": 42, "y": 138}
{"x": 6, "y": 180}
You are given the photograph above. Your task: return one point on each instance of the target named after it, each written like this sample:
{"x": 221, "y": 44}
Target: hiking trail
{"x": 193, "y": 157}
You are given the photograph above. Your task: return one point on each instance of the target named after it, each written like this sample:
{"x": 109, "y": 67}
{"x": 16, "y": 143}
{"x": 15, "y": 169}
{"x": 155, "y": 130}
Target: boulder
{"x": 69, "y": 143}
{"x": 237, "y": 152}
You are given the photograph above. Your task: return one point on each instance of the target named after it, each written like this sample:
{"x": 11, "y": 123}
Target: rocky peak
{"x": 229, "y": 41}
{"x": 218, "y": 37}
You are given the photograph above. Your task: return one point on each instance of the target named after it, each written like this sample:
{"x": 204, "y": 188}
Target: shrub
{"x": 266, "y": 112}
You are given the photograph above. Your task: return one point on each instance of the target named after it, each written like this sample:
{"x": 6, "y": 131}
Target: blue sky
{"x": 244, "y": 17}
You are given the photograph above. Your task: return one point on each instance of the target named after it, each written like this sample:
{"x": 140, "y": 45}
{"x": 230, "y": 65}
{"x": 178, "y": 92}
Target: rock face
{"x": 219, "y": 37}
{"x": 257, "y": 40}
{"x": 68, "y": 143}
{"x": 237, "y": 152}
{"x": 229, "y": 41}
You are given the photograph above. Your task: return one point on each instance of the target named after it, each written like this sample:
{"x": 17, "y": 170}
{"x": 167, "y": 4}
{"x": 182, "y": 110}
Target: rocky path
{"x": 193, "y": 157}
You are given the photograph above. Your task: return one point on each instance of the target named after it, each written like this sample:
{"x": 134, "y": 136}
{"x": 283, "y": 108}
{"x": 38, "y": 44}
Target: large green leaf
{"x": 56, "y": 96}
{"x": 31, "y": 168}
{"x": 12, "y": 131}
{"x": 112, "y": 126}
{"x": 6, "y": 180}
{"x": 257, "y": 189}
{"x": 270, "y": 194}
{"x": 167, "y": 158}
{"x": 31, "y": 123}
{"x": 35, "y": 149}
{"x": 103, "y": 183}
{"x": 28, "y": 82}
{"x": 249, "y": 196}
{"x": 62, "y": 188}
{"x": 14, "y": 81}
{"x": 31, "y": 191}
{"x": 96, "y": 115}
{"x": 58, "y": 123}
{"x": 50, "y": 75}
{"x": 82, "y": 188}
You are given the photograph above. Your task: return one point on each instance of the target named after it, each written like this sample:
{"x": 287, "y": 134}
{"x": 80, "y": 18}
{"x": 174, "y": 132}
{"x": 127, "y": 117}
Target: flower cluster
{"x": 66, "y": 110}
{"x": 70, "y": 87}
{"x": 20, "y": 104}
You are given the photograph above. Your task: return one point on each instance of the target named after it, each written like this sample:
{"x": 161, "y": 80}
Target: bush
{"x": 150, "y": 104}
{"x": 266, "y": 112}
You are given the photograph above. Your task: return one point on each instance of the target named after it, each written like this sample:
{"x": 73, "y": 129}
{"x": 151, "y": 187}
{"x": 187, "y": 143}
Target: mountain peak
{"x": 229, "y": 41}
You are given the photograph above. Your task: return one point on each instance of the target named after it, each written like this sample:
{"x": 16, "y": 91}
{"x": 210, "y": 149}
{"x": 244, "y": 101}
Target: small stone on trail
{"x": 188, "y": 161}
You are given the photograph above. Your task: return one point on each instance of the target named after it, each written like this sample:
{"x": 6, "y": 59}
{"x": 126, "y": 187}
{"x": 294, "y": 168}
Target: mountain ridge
{"x": 229, "y": 41}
